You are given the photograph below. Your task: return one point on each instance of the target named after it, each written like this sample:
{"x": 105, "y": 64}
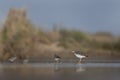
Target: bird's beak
{"x": 72, "y": 51}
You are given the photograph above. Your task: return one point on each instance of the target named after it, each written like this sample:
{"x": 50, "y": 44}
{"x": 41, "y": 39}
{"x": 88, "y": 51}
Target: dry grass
{"x": 19, "y": 37}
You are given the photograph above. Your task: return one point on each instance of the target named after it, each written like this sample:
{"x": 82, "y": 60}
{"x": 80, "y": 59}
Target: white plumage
{"x": 25, "y": 61}
{"x": 57, "y": 58}
{"x": 12, "y": 59}
{"x": 78, "y": 55}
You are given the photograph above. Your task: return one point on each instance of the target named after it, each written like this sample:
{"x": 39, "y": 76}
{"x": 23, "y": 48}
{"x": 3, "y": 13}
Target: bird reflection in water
{"x": 56, "y": 67}
{"x": 80, "y": 68}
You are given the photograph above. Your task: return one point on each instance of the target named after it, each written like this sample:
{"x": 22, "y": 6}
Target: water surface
{"x": 60, "y": 71}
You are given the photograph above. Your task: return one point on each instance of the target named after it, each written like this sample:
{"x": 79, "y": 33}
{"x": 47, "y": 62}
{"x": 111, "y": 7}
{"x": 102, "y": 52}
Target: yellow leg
{"x": 79, "y": 61}
{"x": 57, "y": 61}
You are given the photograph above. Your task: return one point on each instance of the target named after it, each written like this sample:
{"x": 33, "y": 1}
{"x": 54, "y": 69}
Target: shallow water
{"x": 60, "y": 71}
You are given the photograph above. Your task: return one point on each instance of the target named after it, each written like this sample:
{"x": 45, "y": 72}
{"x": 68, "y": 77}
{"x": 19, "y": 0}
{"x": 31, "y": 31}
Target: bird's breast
{"x": 79, "y": 56}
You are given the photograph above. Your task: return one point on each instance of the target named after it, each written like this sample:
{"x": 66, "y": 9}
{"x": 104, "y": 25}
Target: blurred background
{"x": 37, "y": 29}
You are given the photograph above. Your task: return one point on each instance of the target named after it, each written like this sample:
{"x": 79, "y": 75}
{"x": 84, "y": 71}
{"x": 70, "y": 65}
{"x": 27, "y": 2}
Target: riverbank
{"x": 22, "y": 39}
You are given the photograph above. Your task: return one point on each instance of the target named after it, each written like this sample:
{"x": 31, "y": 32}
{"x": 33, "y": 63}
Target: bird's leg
{"x": 57, "y": 61}
{"x": 80, "y": 60}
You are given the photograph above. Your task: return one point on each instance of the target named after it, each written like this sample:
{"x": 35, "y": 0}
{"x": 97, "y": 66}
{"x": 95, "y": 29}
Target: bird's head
{"x": 73, "y": 51}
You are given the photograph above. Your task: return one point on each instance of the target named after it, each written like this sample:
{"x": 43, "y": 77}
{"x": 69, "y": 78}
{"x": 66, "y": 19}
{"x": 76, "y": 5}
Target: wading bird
{"x": 57, "y": 58}
{"x": 25, "y": 61}
{"x": 78, "y": 55}
{"x": 12, "y": 59}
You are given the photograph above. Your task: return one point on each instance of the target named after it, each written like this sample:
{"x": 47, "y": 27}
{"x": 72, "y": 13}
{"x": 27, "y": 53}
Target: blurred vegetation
{"x": 19, "y": 37}
{"x": 71, "y": 37}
